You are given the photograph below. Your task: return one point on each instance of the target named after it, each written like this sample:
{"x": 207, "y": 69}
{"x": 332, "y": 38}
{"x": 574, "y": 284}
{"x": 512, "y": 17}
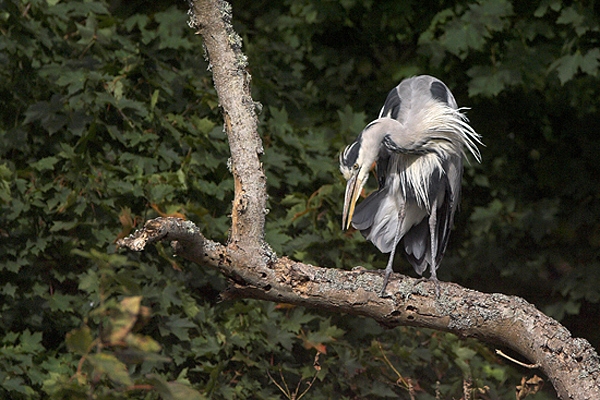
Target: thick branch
{"x": 223, "y": 45}
{"x": 571, "y": 363}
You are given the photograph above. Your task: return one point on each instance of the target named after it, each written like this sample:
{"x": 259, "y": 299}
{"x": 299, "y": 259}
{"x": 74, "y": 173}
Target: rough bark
{"x": 223, "y": 46}
{"x": 571, "y": 364}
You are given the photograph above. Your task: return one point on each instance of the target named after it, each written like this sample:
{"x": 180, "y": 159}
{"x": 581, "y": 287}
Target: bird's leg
{"x": 388, "y": 271}
{"x": 434, "y": 246}
{"x": 390, "y": 265}
{"x": 436, "y": 282}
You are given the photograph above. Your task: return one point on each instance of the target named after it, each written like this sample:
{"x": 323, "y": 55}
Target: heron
{"x": 416, "y": 145}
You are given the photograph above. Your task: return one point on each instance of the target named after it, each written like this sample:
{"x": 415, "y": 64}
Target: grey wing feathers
{"x": 413, "y": 90}
{"x": 425, "y": 87}
{"x": 417, "y": 243}
{"x": 391, "y": 107}
{"x": 417, "y": 246}
{"x": 427, "y": 110}
{"x": 381, "y": 167}
{"x": 376, "y": 218}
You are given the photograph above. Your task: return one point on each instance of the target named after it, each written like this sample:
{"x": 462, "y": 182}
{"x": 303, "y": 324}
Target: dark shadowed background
{"x": 108, "y": 117}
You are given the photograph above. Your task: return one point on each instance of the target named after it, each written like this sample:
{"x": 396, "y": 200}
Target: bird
{"x": 416, "y": 146}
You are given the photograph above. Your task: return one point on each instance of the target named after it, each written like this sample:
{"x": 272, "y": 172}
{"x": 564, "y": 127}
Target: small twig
{"x": 84, "y": 357}
{"x": 26, "y": 10}
{"x": 137, "y": 387}
{"x": 286, "y": 390}
{"x": 317, "y": 367}
{"x": 287, "y": 393}
{"x": 387, "y": 361}
{"x": 509, "y": 358}
{"x": 407, "y": 383}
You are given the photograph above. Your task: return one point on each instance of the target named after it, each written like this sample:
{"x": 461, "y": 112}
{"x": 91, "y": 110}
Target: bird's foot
{"x": 435, "y": 281}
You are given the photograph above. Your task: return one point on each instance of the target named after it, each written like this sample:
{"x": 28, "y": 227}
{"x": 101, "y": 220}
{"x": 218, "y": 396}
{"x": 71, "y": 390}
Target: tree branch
{"x": 571, "y": 364}
{"x": 223, "y": 45}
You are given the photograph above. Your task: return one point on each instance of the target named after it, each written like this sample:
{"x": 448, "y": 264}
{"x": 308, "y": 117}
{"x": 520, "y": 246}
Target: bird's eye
{"x": 355, "y": 166}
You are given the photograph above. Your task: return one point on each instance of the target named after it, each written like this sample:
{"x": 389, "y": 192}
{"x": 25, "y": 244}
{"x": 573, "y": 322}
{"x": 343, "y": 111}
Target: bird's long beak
{"x": 353, "y": 188}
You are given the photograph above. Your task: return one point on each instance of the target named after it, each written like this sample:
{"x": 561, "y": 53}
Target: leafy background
{"x": 108, "y": 117}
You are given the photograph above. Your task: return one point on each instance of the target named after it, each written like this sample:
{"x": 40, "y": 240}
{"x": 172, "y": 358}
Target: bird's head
{"x": 358, "y": 159}
{"x": 355, "y": 171}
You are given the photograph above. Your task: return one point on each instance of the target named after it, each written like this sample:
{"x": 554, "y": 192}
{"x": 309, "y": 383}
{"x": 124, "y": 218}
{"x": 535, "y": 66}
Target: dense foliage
{"x": 108, "y": 117}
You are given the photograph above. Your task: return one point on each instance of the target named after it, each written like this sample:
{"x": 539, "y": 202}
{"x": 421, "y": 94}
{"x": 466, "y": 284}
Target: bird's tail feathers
{"x": 417, "y": 247}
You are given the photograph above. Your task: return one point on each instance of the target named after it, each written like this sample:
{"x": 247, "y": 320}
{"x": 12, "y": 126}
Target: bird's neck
{"x": 377, "y": 131}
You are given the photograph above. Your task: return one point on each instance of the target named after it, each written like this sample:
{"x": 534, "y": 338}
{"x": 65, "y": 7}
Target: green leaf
{"x": 17, "y": 384}
{"x": 154, "y": 99}
{"x": 206, "y": 346}
{"x": 174, "y": 390}
{"x": 45, "y": 164}
{"x": 497, "y": 373}
{"x": 178, "y": 327}
{"x": 567, "y": 67}
{"x": 89, "y": 282}
{"x": 12, "y": 266}
{"x": 487, "y": 81}
{"x": 570, "y": 16}
{"x": 203, "y": 125}
{"x": 74, "y": 81}
{"x": 464, "y": 355}
{"x": 9, "y": 289}
{"x": 37, "y": 112}
{"x": 351, "y": 121}
{"x": 109, "y": 365}
{"x": 5, "y": 185}
{"x": 590, "y": 62}
{"x": 561, "y": 309}
{"x": 61, "y": 302}
{"x": 554, "y": 5}
{"x": 143, "y": 343}
{"x": 80, "y": 340}
{"x": 63, "y": 225}
{"x": 378, "y": 390}
{"x": 123, "y": 321}
{"x": 31, "y": 342}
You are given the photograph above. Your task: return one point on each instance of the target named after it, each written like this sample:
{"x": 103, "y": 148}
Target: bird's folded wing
{"x": 377, "y": 219}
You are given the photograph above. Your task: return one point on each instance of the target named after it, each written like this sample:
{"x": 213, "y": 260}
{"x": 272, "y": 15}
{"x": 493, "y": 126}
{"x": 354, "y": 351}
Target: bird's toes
{"x": 436, "y": 287}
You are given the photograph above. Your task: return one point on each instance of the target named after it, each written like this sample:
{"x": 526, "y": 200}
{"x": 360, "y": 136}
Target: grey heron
{"x": 417, "y": 144}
